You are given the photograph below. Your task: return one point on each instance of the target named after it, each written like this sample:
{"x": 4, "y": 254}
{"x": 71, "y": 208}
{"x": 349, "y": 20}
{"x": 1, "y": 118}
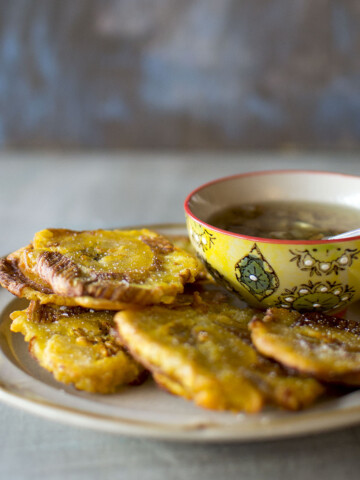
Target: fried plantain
{"x": 77, "y": 346}
{"x": 101, "y": 269}
{"x": 183, "y": 242}
{"x": 201, "y": 350}
{"x": 325, "y": 347}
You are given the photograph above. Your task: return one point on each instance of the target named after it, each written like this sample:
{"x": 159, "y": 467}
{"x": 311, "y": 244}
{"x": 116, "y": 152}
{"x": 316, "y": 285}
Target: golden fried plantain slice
{"x": 183, "y": 242}
{"x": 203, "y": 352}
{"x": 325, "y": 347}
{"x": 77, "y": 346}
{"x": 99, "y": 269}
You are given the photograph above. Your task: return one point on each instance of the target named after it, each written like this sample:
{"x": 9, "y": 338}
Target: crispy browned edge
{"x": 350, "y": 379}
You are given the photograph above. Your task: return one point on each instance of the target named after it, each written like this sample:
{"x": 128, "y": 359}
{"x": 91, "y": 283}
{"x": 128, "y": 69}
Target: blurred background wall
{"x": 188, "y": 74}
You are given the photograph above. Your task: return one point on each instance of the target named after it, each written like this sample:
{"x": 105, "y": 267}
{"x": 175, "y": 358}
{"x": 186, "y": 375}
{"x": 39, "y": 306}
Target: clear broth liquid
{"x": 287, "y": 220}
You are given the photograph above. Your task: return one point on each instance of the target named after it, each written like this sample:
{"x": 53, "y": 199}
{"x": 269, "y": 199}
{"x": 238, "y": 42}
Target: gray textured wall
{"x": 180, "y": 74}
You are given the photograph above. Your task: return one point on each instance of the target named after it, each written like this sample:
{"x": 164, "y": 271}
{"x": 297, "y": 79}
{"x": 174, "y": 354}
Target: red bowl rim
{"x": 264, "y": 239}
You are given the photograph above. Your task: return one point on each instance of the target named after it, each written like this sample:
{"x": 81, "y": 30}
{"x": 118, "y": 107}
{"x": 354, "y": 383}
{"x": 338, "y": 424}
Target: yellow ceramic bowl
{"x": 321, "y": 275}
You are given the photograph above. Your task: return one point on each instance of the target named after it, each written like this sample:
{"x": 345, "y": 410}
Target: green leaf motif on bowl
{"x": 322, "y": 296}
{"x": 256, "y": 274}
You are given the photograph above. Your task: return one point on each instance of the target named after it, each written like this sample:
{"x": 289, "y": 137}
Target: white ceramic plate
{"x": 146, "y": 410}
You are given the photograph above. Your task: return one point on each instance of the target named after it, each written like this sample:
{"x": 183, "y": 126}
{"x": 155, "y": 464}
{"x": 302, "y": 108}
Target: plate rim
{"x": 207, "y": 432}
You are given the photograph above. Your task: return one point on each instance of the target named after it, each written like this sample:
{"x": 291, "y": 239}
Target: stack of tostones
{"x": 107, "y": 307}
{"x": 76, "y": 281}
